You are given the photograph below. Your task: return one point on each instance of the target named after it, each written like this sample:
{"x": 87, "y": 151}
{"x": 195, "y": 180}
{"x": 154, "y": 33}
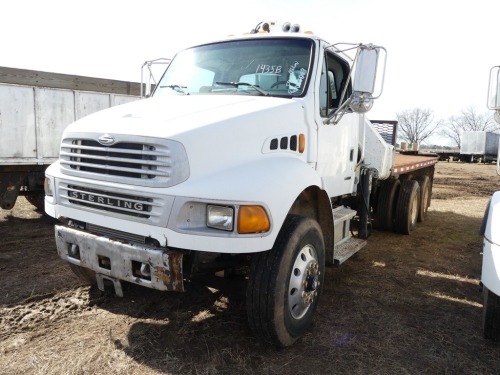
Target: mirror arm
{"x": 336, "y": 116}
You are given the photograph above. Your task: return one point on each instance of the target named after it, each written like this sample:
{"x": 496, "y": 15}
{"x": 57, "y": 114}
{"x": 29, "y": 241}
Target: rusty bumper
{"x": 156, "y": 268}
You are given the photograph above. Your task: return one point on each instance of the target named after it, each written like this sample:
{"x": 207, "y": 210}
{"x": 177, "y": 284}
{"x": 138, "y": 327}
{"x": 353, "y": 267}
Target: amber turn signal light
{"x": 252, "y": 219}
{"x": 302, "y": 143}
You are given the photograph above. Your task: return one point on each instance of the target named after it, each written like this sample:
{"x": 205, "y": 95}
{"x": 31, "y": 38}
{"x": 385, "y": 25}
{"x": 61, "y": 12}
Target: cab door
{"x": 337, "y": 143}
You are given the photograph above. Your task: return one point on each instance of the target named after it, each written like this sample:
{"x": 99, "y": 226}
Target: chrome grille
{"x": 133, "y": 160}
{"x": 151, "y": 162}
{"x": 124, "y": 159}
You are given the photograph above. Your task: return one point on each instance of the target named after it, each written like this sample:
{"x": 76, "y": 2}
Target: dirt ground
{"x": 403, "y": 305}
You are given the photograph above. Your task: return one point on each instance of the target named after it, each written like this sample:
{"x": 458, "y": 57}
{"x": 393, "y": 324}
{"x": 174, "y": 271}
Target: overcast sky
{"x": 439, "y": 51}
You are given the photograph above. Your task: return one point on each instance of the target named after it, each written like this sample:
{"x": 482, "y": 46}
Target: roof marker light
{"x": 272, "y": 26}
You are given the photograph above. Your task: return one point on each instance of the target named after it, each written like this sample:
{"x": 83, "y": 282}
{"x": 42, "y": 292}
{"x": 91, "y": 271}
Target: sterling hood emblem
{"x": 106, "y": 140}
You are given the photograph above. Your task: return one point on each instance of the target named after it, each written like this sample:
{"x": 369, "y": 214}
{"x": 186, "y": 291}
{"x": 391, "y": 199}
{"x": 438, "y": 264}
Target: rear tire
{"x": 407, "y": 208}
{"x": 425, "y": 196}
{"x": 491, "y": 315}
{"x": 386, "y": 203}
{"x": 285, "y": 283}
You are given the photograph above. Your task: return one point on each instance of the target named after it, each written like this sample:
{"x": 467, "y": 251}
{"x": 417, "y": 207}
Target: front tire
{"x": 83, "y": 273}
{"x": 491, "y": 315}
{"x": 37, "y": 200}
{"x": 285, "y": 283}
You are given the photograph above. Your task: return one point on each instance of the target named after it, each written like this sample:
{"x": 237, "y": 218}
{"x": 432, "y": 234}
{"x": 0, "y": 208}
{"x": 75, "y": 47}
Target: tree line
{"x": 418, "y": 124}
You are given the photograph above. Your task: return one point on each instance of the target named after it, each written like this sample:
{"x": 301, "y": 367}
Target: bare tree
{"x": 469, "y": 120}
{"x": 417, "y": 124}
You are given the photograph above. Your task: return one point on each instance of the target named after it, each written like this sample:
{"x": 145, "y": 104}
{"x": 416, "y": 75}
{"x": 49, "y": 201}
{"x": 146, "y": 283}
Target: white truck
{"x": 490, "y": 271}
{"x": 35, "y": 107}
{"x": 253, "y": 156}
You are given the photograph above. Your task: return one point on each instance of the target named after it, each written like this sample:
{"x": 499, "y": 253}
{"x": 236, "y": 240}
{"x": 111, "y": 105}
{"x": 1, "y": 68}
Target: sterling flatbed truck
{"x": 253, "y": 156}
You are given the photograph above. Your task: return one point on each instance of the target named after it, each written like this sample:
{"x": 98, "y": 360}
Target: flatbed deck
{"x": 409, "y": 162}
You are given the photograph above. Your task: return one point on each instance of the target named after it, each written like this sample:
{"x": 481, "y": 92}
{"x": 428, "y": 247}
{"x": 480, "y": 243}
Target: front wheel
{"x": 83, "y": 273}
{"x": 37, "y": 199}
{"x": 491, "y": 315}
{"x": 286, "y": 282}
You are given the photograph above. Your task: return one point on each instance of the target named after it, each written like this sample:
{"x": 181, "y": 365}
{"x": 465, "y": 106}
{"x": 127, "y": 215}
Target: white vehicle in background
{"x": 35, "y": 107}
{"x": 490, "y": 273}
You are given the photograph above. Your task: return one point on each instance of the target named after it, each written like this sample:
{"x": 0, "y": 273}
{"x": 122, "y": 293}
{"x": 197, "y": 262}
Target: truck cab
{"x": 252, "y": 151}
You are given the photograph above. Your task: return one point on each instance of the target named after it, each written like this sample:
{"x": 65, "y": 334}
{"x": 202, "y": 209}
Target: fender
{"x": 490, "y": 275}
{"x": 280, "y": 181}
{"x": 493, "y": 219}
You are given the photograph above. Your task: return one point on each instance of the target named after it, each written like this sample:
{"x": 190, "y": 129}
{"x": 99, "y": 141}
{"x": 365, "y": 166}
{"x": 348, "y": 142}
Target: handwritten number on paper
{"x": 269, "y": 69}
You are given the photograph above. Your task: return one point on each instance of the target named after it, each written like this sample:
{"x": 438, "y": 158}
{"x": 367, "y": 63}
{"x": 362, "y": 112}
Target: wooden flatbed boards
{"x": 404, "y": 163}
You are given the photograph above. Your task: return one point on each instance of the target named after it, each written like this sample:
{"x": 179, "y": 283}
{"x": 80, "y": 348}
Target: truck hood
{"x": 167, "y": 117}
{"x": 204, "y": 134}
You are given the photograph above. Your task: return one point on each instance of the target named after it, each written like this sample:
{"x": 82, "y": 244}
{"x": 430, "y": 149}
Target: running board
{"x": 341, "y": 214}
{"x": 341, "y": 223}
{"x": 347, "y": 248}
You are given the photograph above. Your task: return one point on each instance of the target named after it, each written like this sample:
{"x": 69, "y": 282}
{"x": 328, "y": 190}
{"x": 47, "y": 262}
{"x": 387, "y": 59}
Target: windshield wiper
{"x": 236, "y": 84}
{"x": 177, "y": 88}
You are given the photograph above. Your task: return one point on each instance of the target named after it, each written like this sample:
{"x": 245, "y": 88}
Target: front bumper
{"x": 153, "y": 267}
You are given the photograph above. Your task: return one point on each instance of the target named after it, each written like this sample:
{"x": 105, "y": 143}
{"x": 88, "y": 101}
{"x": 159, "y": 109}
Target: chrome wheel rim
{"x": 304, "y": 282}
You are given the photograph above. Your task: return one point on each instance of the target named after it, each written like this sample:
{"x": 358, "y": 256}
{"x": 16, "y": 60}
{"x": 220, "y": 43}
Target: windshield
{"x": 277, "y": 67}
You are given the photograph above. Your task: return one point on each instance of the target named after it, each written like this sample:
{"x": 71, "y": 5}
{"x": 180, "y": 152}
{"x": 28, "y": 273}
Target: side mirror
{"x": 498, "y": 159}
{"x": 494, "y": 101}
{"x": 368, "y": 77}
{"x": 494, "y": 90}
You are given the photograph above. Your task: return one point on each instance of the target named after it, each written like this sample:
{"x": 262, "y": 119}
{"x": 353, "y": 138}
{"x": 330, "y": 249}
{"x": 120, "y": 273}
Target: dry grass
{"x": 403, "y": 305}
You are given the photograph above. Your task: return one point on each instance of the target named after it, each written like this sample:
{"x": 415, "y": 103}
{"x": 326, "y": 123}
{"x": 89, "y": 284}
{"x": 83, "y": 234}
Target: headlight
{"x": 47, "y": 186}
{"x": 220, "y": 217}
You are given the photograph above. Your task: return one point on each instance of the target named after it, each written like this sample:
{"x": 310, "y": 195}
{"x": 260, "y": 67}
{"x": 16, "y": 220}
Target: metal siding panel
{"x": 55, "y": 109}
{"x": 472, "y": 142}
{"x": 479, "y": 143}
{"x": 491, "y": 147}
{"x": 17, "y": 122}
{"x": 122, "y": 99}
{"x": 88, "y": 103}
